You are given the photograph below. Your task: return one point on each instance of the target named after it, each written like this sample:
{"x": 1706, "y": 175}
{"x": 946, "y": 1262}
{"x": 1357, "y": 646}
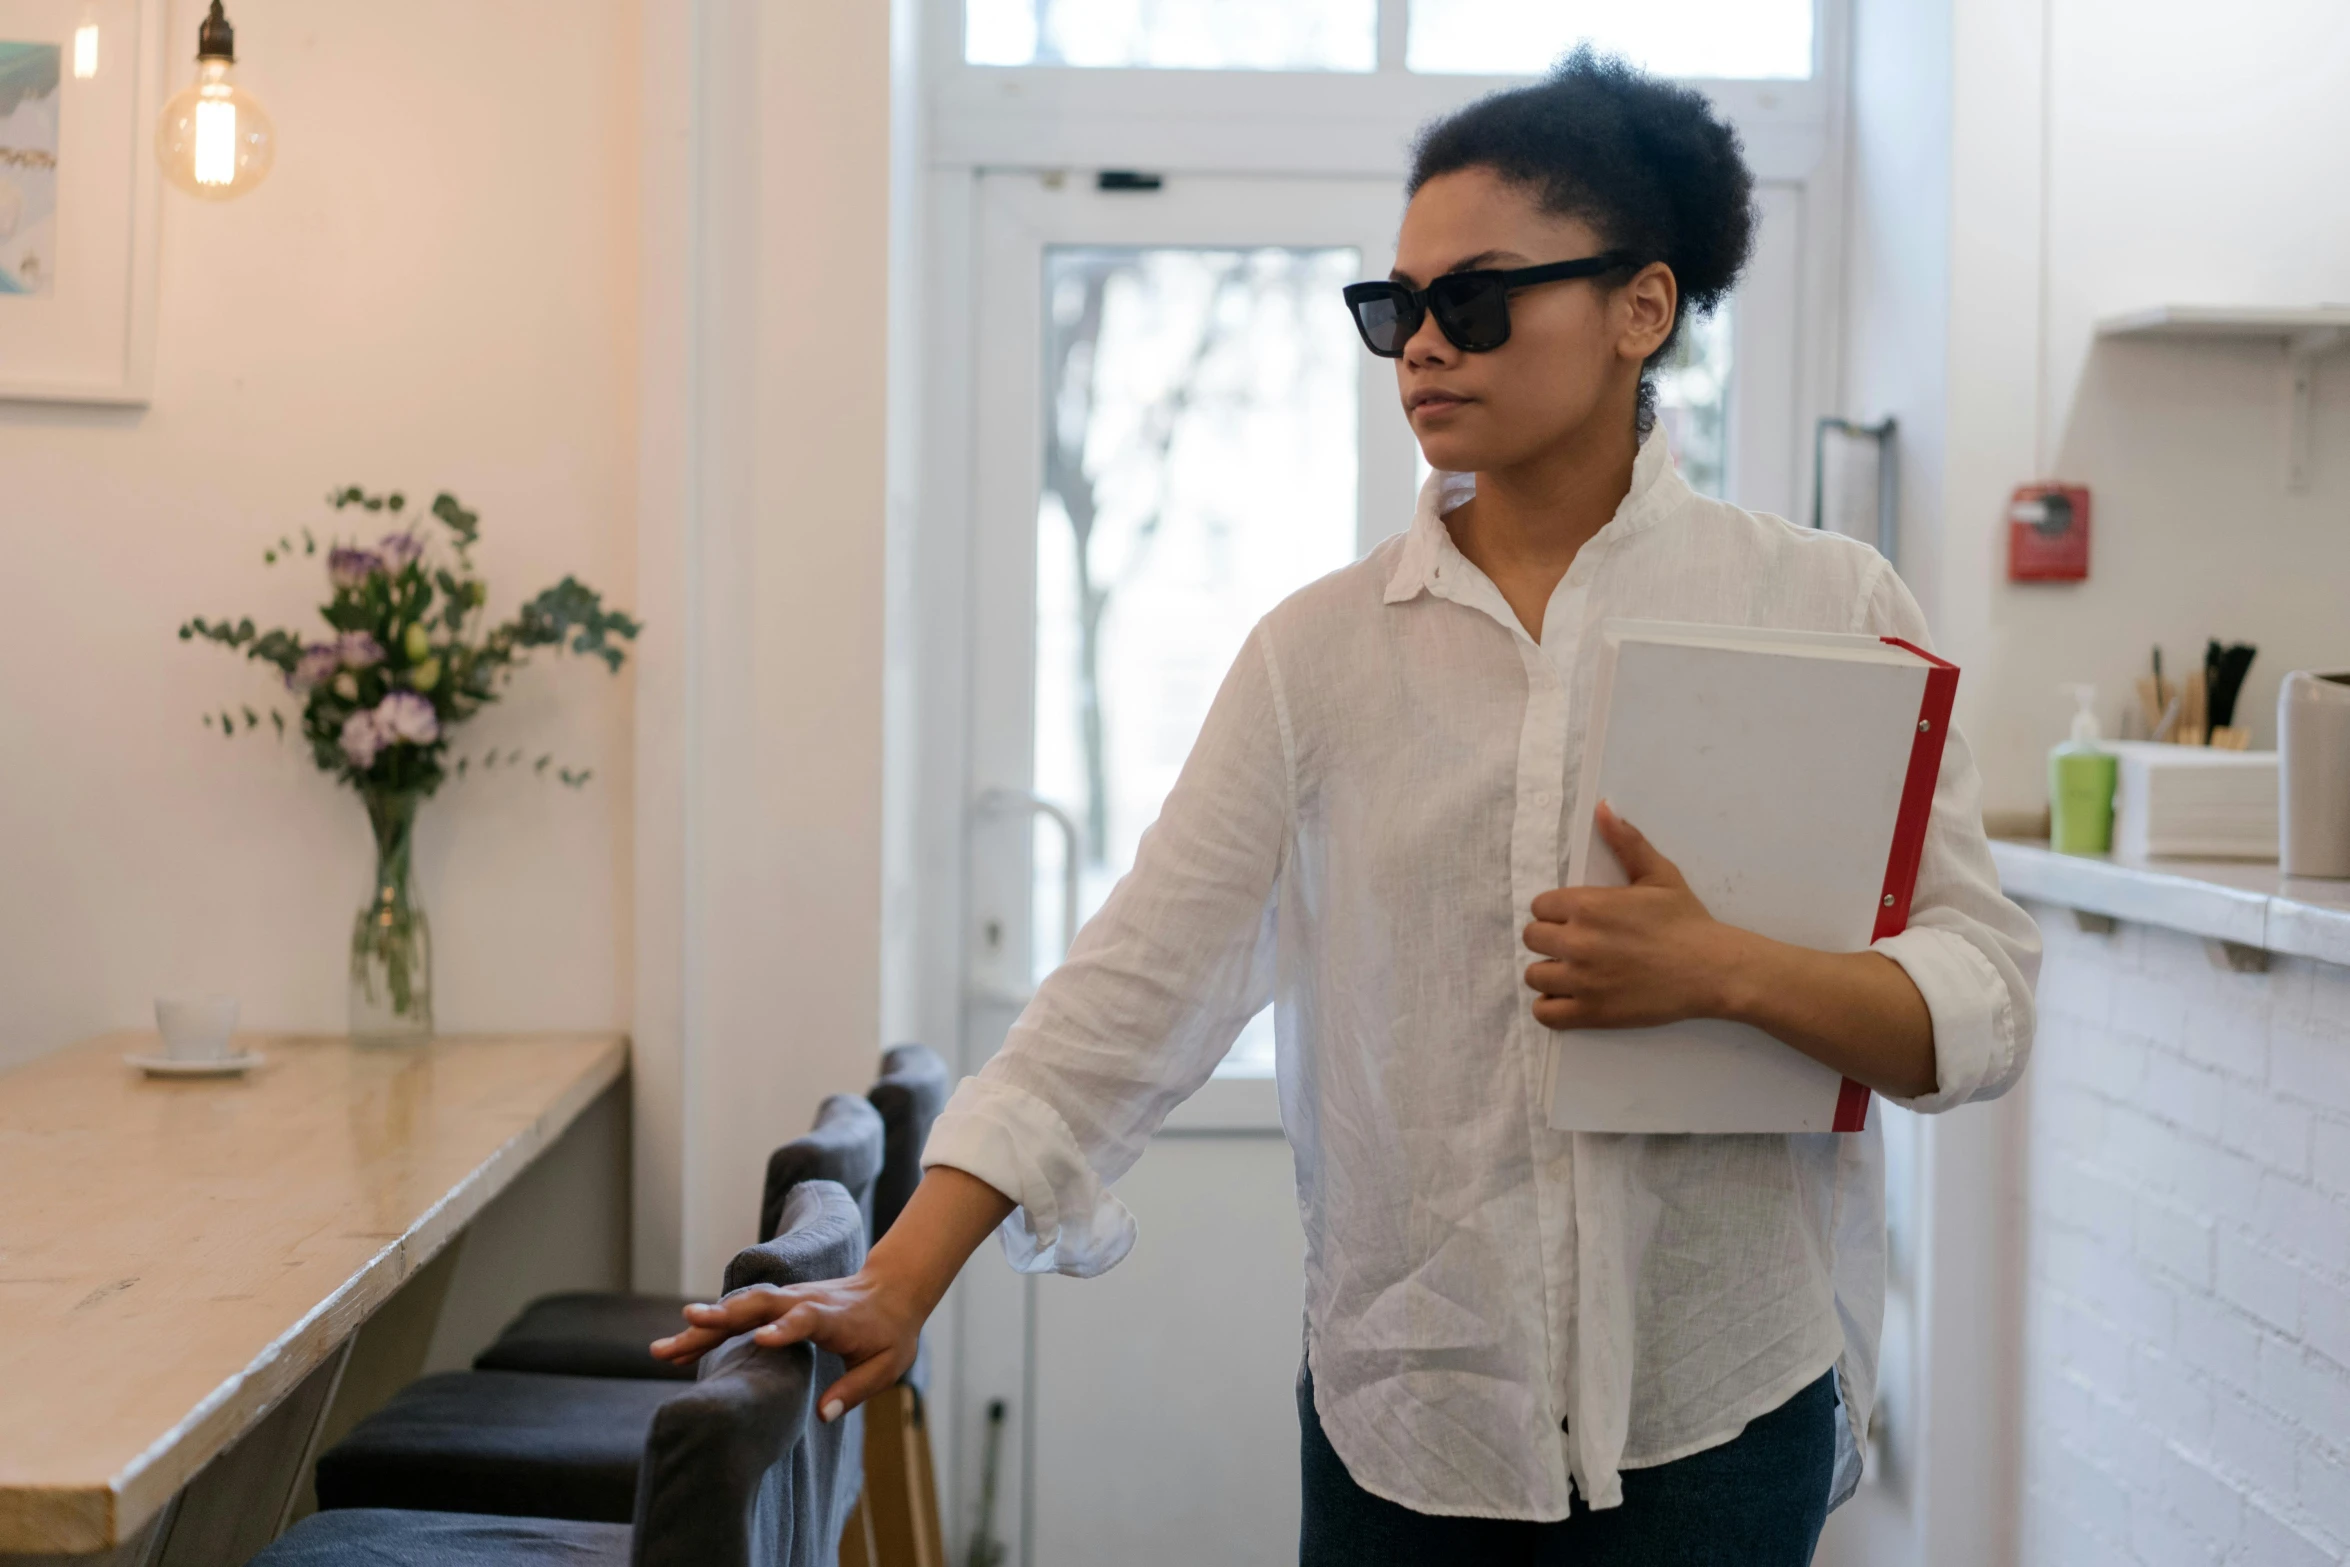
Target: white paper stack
{"x": 2193, "y": 801}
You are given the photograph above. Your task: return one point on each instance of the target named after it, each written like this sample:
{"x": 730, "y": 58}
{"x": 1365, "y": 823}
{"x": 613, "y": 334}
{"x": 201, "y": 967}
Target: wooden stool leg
{"x": 856, "y": 1539}
{"x": 901, "y": 1490}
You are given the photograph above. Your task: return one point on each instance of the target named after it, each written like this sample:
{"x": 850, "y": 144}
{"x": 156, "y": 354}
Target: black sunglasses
{"x": 1471, "y": 308}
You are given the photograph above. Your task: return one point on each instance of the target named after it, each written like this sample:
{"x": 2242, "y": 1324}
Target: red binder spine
{"x": 1909, "y": 835}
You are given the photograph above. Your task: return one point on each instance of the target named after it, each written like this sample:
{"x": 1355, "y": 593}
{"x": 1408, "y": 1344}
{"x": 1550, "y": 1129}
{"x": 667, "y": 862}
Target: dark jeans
{"x": 1758, "y": 1500}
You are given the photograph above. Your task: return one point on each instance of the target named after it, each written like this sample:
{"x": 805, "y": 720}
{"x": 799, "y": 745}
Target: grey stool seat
{"x": 373, "y": 1535}
{"x": 500, "y": 1442}
{"x": 604, "y": 1333}
{"x": 736, "y": 1470}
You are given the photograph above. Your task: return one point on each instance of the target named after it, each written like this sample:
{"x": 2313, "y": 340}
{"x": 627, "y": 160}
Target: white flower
{"x": 363, "y": 738}
{"x": 406, "y": 717}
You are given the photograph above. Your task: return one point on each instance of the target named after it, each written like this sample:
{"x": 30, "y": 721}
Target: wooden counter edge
{"x": 83, "y": 1519}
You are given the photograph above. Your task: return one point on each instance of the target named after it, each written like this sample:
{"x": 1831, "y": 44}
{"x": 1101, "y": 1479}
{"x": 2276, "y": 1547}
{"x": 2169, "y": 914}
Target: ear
{"x": 1647, "y": 307}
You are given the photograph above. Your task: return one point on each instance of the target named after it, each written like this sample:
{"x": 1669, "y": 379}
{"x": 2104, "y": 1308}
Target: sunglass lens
{"x": 1473, "y": 311}
{"x": 1384, "y": 315}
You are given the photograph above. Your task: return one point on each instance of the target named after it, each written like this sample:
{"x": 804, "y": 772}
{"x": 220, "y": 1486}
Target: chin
{"x": 1451, "y": 451}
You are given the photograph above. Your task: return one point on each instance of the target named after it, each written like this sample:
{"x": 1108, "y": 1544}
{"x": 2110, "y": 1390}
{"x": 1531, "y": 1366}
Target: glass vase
{"x": 391, "y": 944}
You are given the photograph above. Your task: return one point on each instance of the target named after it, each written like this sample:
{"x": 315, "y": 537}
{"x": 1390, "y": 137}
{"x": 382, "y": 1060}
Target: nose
{"x": 1429, "y": 346}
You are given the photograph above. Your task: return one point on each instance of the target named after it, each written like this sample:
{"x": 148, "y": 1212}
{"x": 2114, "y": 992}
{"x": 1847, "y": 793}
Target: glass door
{"x": 1176, "y": 428}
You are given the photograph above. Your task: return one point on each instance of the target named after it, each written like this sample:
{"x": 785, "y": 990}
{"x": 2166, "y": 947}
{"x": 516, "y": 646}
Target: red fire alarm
{"x": 2048, "y": 533}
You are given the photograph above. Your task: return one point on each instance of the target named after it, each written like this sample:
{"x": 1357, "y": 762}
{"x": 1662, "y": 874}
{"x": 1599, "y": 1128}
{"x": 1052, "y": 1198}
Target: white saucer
{"x": 223, "y": 1066}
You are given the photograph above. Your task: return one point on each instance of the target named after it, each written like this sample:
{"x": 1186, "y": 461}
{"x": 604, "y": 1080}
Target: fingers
{"x": 1562, "y": 1012}
{"x": 799, "y": 1323}
{"x": 690, "y": 1345}
{"x": 1642, "y": 864}
{"x": 864, "y": 1379}
{"x": 1557, "y": 906}
{"x": 1551, "y": 979}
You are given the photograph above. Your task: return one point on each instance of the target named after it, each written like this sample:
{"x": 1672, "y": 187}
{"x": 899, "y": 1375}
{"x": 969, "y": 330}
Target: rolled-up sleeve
{"x": 1154, "y": 991}
{"x": 1971, "y": 951}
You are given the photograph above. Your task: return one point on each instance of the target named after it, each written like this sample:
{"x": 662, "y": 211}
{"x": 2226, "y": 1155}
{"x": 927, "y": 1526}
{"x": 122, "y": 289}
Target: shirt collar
{"x": 1656, "y": 486}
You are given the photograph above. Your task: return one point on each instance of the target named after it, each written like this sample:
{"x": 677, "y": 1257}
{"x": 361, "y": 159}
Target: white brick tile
{"x": 2310, "y": 1066}
{"x": 2216, "y": 1339}
{"x": 2328, "y": 1002}
{"x": 2325, "y": 1315}
{"x": 2228, "y": 1037}
{"x": 2329, "y": 1160}
{"x": 2324, "y": 1491}
{"x": 2301, "y": 1221}
{"x": 2260, "y": 1282}
{"x": 2159, "y": 1539}
{"x": 2151, "y": 1008}
{"x": 2079, "y": 991}
{"x": 2185, "y": 1094}
{"x": 2089, "y": 1494}
{"x": 2176, "y": 1239}
{"x": 2175, "y": 1401}
{"x": 2209, "y": 1503}
{"x": 2085, "y": 1198}
{"x": 2067, "y": 1117}
{"x": 2307, "y": 1391}
{"x": 2254, "y": 1445}
{"x": 2089, "y": 1347}
{"x": 2269, "y": 1541}
{"x": 2270, "y": 1131}
{"x": 2211, "y": 1179}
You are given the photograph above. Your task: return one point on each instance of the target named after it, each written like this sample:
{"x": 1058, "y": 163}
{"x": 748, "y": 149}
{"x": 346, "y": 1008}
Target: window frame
{"x": 1292, "y": 122}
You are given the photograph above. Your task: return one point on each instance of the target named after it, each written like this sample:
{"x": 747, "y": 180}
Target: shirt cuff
{"x": 1973, "y": 1015}
{"x": 1066, "y": 1221}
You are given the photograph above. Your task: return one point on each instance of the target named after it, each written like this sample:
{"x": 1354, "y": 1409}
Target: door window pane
{"x": 1693, "y": 401}
{"x": 1245, "y": 35}
{"x": 1199, "y": 466}
{"x": 1717, "y": 38}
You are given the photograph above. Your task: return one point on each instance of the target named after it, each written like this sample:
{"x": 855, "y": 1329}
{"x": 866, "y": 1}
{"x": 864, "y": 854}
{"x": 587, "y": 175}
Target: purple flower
{"x": 315, "y": 667}
{"x": 406, "y": 717}
{"x": 399, "y": 551}
{"x": 363, "y": 737}
{"x": 358, "y": 649}
{"x": 347, "y": 567}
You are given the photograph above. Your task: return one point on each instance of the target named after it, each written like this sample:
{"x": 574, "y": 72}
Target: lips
{"x": 1434, "y": 402}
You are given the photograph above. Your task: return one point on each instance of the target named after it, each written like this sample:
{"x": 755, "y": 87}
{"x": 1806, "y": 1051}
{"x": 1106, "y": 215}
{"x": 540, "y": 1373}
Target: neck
{"x": 1527, "y": 521}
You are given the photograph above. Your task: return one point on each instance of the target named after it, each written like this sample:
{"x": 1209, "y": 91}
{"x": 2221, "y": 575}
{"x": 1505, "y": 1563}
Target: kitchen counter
{"x": 2249, "y": 905}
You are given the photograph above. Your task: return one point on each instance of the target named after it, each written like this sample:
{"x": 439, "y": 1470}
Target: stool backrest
{"x": 844, "y": 1146}
{"x": 738, "y": 1470}
{"x": 911, "y": 1092}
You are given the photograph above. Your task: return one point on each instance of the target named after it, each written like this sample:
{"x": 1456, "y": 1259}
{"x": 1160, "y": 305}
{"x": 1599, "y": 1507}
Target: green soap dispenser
{"x": 2080, "y": 785}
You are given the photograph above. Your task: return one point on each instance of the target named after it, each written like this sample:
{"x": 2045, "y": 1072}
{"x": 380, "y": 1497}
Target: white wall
{"x": 762, "y": 518}
{"x": 2193, "y": 157}
{"x": 434, "y": 289}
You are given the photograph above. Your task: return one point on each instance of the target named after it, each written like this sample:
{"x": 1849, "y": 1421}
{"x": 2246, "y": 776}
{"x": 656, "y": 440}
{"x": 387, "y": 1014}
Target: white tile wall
{"x": 2187, "y": 1330}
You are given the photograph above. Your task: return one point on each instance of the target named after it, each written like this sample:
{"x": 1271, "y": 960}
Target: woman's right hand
{"x": 873, "y": 1319}
{"x": 868, "y": 1321}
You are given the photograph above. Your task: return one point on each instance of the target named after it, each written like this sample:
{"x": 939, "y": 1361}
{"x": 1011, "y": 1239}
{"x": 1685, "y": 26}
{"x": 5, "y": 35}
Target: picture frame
{"x": 80, "y": 198}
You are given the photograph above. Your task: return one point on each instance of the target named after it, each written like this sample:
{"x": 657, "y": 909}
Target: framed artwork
{"x": 80, "y": 83}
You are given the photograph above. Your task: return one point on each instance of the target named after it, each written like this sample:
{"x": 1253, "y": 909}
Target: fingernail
{"x": 831, "y": 1411}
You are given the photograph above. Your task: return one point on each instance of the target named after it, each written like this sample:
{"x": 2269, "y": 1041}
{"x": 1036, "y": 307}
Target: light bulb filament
{"x": 216, "y": 141}
{"x": 85, "y": 51}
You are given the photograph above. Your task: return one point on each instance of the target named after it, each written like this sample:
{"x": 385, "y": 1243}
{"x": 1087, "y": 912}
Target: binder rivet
{"x": 1925, "y": 725}
{"x": 1888, "y": 900}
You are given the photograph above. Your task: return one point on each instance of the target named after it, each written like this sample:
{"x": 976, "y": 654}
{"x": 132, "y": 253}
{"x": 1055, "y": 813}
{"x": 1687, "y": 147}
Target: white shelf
{"x": 2281, "y": 323}
{"x": 2306, "y": 333}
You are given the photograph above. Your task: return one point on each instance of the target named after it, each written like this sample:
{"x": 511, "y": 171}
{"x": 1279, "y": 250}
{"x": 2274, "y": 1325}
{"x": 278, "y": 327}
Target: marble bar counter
{"x": 184, "y": 1265}
{"x": 2250, "y": 907}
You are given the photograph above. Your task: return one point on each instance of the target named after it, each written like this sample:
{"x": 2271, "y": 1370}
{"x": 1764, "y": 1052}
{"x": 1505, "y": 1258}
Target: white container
{"x": 2193, "y": 802}
{"x": 2313, "y": 745}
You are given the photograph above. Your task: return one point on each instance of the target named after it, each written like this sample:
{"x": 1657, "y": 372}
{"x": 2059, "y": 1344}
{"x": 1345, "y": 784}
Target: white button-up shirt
{"x": 1495, "y": 1311}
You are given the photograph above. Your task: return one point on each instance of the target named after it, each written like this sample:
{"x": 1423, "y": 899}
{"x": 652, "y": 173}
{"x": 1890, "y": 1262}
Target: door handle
{"x": 1026, "y": 802}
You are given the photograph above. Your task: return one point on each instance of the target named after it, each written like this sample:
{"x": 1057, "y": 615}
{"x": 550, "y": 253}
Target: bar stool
{"x": 900, "y": 1505}
{"x": 548, "y": 1446}
{"x": 738, "y": 1470}
{"x": 603, "y": 1333}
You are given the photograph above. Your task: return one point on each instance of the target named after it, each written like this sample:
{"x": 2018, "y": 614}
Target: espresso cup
{"x": 196, "y": 1028}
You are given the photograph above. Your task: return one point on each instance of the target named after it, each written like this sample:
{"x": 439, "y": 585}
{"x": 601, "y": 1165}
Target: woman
{"x": 1523, "y": 1345}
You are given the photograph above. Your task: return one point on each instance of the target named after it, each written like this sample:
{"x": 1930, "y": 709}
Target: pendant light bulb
{"x": 214, "y": 141}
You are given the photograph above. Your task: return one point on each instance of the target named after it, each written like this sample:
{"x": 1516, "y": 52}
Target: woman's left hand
{"x": 1629, "y": 957}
